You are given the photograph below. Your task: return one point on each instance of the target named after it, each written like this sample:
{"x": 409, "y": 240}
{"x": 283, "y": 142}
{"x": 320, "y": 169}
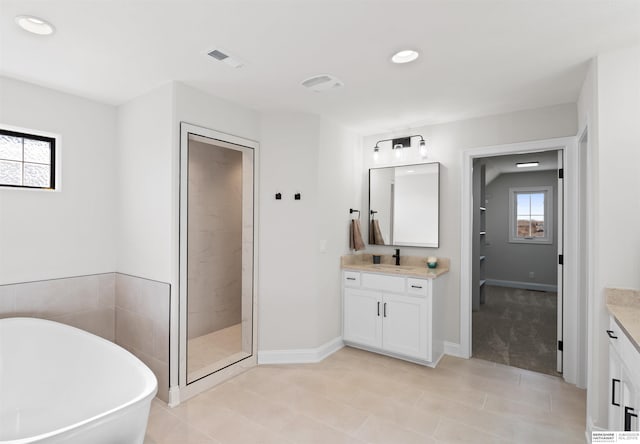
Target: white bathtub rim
{"x": 146, "y": 393}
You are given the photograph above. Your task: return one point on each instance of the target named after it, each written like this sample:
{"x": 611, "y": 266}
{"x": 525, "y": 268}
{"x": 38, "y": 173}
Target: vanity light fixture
{"x": 398, "y": 144}
{"x": 376, "y": 153}
{"x": 527, "y": 164}
{"x": 34, "y": 25}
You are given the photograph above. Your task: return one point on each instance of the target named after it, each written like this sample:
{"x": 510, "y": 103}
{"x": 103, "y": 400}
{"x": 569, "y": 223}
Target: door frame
{"x": 572, "y": 247}
{"x": 187, "y": 390}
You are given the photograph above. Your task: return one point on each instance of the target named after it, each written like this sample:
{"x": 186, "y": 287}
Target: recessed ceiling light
{"x": 527, "y": 164}
{"x": 34, "y": 25}
{"x": 405, "y": 56}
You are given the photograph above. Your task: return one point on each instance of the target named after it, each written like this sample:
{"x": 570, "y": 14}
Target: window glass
{"x": 26, "y": 160}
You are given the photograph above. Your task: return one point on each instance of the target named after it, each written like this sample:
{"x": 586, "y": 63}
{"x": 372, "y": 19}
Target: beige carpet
{"x": 517, "y": 328}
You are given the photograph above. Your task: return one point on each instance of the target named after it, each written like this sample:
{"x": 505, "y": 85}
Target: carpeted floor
{"x": 518, "y": 328}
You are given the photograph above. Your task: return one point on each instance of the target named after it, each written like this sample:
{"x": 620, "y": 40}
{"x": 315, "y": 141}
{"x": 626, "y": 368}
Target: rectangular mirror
{"x": 404, "y": 205}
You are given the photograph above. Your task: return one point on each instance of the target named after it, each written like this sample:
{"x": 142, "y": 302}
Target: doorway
{"x": 573, "y": 361}
{"x": 217, "y": 260}
{"x": 517, "y": 291}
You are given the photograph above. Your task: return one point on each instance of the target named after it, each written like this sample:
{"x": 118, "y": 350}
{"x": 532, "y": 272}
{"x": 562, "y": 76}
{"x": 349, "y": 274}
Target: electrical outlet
{"x": 532, "y": 275}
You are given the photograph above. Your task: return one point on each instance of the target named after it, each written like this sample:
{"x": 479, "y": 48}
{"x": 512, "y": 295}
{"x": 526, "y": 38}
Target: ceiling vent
{"x": 221, "y": 56}
{"x": 322, "y": 82}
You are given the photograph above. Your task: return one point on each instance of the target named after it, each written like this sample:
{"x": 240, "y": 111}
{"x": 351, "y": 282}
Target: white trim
{"x": 300, "y": 356}
{"x": 571, "y": 241}
{"x": 591, "y": 427}
{"x": 547, "y": 191}
{"x": 452, "y": 349}
{"x": 523, "y": 285}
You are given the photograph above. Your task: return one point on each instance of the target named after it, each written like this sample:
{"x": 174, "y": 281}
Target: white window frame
{"x": 548, "y": 215}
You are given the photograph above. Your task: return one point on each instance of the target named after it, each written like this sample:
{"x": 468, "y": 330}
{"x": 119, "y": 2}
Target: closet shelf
{"x": 483, "y": 209}
{"x": 482, "y": 282}
{"x": 483, "y": 233}
{"x": 483, "y": 258}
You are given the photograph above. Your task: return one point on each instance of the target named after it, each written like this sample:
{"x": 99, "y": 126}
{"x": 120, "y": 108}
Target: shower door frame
{"x": 190, "y": 389}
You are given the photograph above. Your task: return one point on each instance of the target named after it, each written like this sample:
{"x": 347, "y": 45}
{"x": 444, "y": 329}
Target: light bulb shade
{"x": 423, "y": 148}
{"x": 376, "y": 154}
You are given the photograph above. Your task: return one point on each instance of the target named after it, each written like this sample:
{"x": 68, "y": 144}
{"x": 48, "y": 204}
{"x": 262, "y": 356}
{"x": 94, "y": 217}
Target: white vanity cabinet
{"x": 394, "y": 315}
{"x": 624, "y": 380}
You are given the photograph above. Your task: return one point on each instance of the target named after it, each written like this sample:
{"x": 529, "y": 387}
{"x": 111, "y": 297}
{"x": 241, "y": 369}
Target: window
{"x": 530, "y": 215}
{"x": 27, "y": 160}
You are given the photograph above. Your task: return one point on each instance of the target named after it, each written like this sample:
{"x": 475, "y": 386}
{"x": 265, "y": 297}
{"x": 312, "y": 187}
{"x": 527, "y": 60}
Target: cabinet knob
{"x": 611, "y": 334}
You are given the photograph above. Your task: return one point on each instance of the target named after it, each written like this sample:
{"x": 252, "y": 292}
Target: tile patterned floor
{"x": 359, "y": 397}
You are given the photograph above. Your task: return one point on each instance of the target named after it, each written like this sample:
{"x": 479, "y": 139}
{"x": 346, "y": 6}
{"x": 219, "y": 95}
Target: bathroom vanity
{"x": 624, "y": 358}
{"x": 395, "y": 310}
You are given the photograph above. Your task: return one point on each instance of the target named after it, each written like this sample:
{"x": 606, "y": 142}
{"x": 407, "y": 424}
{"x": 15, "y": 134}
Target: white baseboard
{"x": 591, "y": 427}
{"x": 452, "y": 349}
{"x": 523, "y": 285}
{"x": 300, "y": 356}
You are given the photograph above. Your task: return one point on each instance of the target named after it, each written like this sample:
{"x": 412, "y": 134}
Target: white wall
{"x": 145, "y": 187}
{"x": 300, "y": 299}
{"x": 610, "y": 103}
{"x": 509, "y": 261}
{"x": 43, "y": 234}
{"x": 446, "y": 143}
{"x": 339, "y": 164}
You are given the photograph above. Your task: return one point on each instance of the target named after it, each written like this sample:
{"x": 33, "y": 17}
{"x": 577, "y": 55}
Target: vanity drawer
{"x": 417, "y": 287}
{"x": 383, "y": 283}
{"x": 351, "y": 279}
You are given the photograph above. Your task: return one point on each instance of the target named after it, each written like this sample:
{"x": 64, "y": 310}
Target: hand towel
{"x": 375, "y": 234}
{"x": 355, "y": 236}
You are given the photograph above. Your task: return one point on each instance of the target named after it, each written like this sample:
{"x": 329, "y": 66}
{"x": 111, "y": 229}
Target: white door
{"x": 363, "y": 317}
{"x": 404, "y": 326}
{"x": 560, "y": 257}
{"x": 615, "y": 390}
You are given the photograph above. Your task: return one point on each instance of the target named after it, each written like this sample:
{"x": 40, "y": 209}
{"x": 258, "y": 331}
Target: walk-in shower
{"x": 217, "y": 297}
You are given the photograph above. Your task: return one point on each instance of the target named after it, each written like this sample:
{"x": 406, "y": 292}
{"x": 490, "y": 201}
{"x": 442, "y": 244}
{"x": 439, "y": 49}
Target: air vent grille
{"x": 223, "y": 57}
{"x": 218, "y": 55}
{"x": 322, "y": 82}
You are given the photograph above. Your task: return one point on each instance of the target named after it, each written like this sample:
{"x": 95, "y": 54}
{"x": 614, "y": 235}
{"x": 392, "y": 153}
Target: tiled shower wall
{"x": 215, "y": 238}
{"x": 130, "y": 311}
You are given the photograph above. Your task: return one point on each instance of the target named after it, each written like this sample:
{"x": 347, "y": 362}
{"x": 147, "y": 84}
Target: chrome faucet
{"x": 397, "y": 256}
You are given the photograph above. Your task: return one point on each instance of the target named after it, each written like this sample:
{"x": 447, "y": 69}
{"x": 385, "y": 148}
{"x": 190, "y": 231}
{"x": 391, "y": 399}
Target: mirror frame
{"x": 437, "y": 245}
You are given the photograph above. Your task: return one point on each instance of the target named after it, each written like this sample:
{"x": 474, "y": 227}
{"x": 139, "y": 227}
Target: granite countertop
{"x": 411, "y": 266}
{"x": 624, "y": 305}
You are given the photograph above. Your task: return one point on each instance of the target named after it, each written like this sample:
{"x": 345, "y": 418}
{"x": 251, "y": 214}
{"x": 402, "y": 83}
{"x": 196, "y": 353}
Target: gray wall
{"x": 215, "y": 238}
{"x": 513, "y": 261}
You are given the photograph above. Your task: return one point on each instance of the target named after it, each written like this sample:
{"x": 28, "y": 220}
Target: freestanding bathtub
{"x": 60, "y": 384}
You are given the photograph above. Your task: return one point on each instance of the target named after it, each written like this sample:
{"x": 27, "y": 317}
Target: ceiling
{"x": 495, "y": 166}
{"x": 478, "y": 57}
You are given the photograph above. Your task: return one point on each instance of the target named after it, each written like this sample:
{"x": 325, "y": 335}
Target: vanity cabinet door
{"x": 629, "y": 405}
{"x": 615, "y": 391}
{"x": 363, "y": 317}
{"x": 405, "y": 325}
